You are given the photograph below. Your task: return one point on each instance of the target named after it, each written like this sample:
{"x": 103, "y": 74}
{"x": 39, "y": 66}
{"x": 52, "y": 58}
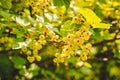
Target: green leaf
{"x": 34, "y": 69}
{"x": 66, "y": 28}
{"x": 61, "y": 3}
{"x": 15, "y": 46}
{"x": 7, "y": 4}
{"x": 100, "y": 25}
{"x": 99, "y": 12}
{"x": 7, "y": 23}
{"x": 97, "y": 35}
{"x": 5, "y": 14}
{"x": 48, "y": 73}
{"x": 18, "y": 40}
{"x": 72, "y": 60}
{"x": 6, "y": 68}
{"x": 67, "y": 3}
{"x": 86, "y": 70}
{"x": 19, "y": 5}
{"x": 34, "y": 72}
{"x": 18, "y": 61}
{"x": 16, "y": 43}
{"x": 58, "y": 2}
{"x": 22, "y": 71}
{"x": 46, "y": 19}
{"x": 17, "y": 66}
{"x": 72, "y": 72}
{"x": 4, "y": 60}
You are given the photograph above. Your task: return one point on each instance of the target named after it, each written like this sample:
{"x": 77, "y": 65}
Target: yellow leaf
{"x": 89, "y": 15}
{"x": 87, "y": 65}
{"x": 100, "y": 25}
{"x": 92, "y": 18}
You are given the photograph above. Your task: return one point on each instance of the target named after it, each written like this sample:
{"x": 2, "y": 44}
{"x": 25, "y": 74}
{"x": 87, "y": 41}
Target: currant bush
{"x": 42, "y": 33}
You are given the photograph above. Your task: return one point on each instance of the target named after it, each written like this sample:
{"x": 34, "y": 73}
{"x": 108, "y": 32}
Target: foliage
{"x": 59, "y": 39}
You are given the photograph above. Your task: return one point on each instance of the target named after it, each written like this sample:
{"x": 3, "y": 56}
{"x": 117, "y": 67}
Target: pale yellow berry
{"x": 55, "y": 60}
{"x": 42, "y": 37}
{"x": 75, "y": 19}
{"x": 39, "y": 46}
{"x": 57, "y": 54}
{"x": 35, "y": 52}
{"x": 28, "y": 52}
{"x": 62, "y": 59}
{"x": 30, "y": 59}
{"x": 24, "y": 48}
{"x": 38, "y": 58}
{"x": 43, "y": 42}
{"x": 88, "y": 45}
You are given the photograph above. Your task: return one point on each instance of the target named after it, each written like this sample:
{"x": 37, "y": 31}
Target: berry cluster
{"x": 111, "y": 9}
{"x": 78, "y": 19}
{"x": 33, "y": 49}
{"x": 73, "y": 42}
{"x": 38, "y": 6}
{"x": 6, "y": 43}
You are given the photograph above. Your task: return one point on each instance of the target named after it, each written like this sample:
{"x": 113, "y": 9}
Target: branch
{"x": 48, "y": 61}
{"x": 105, "y": 41}
{"x": 104, "y": 59}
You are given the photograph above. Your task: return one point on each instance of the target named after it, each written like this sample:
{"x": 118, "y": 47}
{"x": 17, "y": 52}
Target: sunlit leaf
{"x": 89, "y": 15}
{"x": 93, "y": 19}
{"x": 100, "y": 25}
{"x": 115, "y": 71}
{"x": 81, "y": 3}
{"x": 87, "y": 65}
